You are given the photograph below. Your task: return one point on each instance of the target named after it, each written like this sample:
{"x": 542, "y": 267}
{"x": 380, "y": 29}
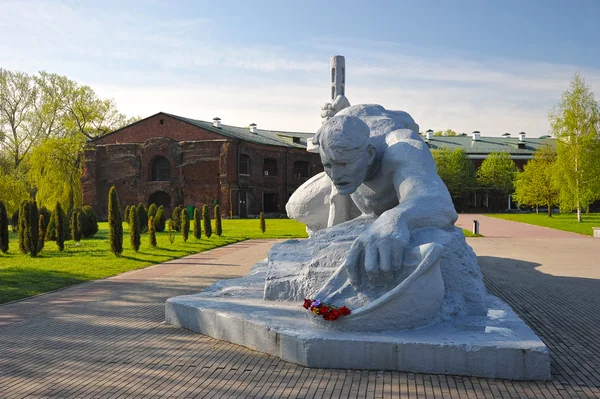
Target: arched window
{"x": 332, "y": 75}
{"x": 244, "y": 165}
{"x": 301, "y": 168}
{"x": 161, "y": 169}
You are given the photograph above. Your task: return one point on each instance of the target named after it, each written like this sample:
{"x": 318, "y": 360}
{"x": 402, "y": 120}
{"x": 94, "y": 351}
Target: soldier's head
{"x": 346, "y": 151}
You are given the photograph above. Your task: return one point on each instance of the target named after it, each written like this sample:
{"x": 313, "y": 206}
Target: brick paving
{"x": 106, "y": 339}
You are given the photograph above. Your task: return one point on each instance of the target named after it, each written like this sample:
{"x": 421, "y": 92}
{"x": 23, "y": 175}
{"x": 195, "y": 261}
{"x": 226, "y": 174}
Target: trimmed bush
{"x": 170, "y": 230}
{"x": 41, "y": 232}
{"x": 126, "y": 216}
{"x": 263, "y": 225}
{"x": 206, "y": 221}
{"x": 142, "y": 214}
{"x": 175, "y": 218}
{"x": 76, "y": 225}
{"x": 22, "y": 229}
{"x": 47, "y": 216}
{"x": 89, "y": 221}
{"x": 160, "y": 219}
{"x": 51, "y": 229}
{"x": 134, "y": 229}
{"x": 185, "y": 224}
{"x": 197, "y": 225}
{"x": 59, "y": 227}
{"x": 152, "y": 209}
{"x": 33, "y": 232}
{"x": 218, "y": 225}
{"x": 151, "y": 232}
{"x": 3, "y": 228}
{"x": 115, "y": 222}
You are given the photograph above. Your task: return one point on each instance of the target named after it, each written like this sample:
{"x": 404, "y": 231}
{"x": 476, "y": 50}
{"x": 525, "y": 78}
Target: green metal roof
{"x": 486, "y": 145}
{"x": 268, "y": 137}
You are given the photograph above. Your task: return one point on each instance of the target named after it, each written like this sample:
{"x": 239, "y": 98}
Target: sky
{"x": 492, "y": 66}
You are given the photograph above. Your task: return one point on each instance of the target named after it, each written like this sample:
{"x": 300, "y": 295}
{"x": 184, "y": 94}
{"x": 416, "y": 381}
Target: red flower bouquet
{"x": 327, "y": 312}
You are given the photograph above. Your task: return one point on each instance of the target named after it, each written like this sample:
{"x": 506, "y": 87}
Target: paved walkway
{"x": 499, "y": 228}
{"x": 106, "y": 338}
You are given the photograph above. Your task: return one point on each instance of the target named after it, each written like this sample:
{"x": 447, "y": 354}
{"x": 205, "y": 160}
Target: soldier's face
{"x": 347, "y": 169}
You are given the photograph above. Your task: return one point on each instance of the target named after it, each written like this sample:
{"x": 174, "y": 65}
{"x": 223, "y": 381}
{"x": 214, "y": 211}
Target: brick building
{"x": 170, "y": 160}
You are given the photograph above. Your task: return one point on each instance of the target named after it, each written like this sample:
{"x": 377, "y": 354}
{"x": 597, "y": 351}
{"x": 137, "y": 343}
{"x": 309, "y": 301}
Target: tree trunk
{"x": 549, "y": 210}
{"x": 579, "y": 213}
{"x": 537, "y": 209}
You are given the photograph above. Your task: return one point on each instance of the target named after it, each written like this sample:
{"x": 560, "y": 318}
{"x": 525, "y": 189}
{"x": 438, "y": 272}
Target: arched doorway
{"x": 161, "y": 198}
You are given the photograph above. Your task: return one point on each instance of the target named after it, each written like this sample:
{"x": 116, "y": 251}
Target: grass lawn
{"x": 23, "y": 276}
{"x": 467, "y": 233}
{"x": 566, "y": 222}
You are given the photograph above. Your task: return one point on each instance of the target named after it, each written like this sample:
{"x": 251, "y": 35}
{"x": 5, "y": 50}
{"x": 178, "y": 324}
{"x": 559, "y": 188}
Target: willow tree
{"x": 575, "y": 123}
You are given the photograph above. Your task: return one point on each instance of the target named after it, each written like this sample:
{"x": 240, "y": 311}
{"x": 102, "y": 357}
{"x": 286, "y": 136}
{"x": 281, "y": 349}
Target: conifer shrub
{"x": 22, "y": 229}
{"x": 152, "y": 209}
{"x": 263, "y": 225}
{"x": 89, "y": 221}
{"x": 176, "y": 218}
{"x": 142, "y": 214}
{"x": 76, "y": 225}
{"x": 197, "y": 225}
{"x": 59, "y": 227}
{"x": 170, "y": 230}
{"x": 41, "y": 232}
{"x": 51, "y": 229}
{"x": 206, "y": 221}
{"x": 47, "y": 216}
{"x": 218, "y": 225}
{"x": 134, "y": 229}
{"x": 185, "y": 224}
{"x": 126, "y": 216}
{"x": 160, "y": 219}
{"x": 33, "y": 232}
{"x": 3, "y": 228}
{"x": 151, "y": 232}
{"x": 115, "y": 223}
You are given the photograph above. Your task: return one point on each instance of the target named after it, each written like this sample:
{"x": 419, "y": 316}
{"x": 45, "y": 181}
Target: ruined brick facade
{"x": 166, "y": 160}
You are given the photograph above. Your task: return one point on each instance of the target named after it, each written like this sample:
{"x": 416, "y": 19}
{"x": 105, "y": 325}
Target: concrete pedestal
{"x": 499, "y": 345}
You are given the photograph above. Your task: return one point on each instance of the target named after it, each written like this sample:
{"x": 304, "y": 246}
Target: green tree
{"x": 218, "y": 225}
{"x": 263, "y": 225}
{"x": 142, "y": 214}
{"x": 55, "y": 171}
{"x": 115, "y": 224}
{"x": 206, "y": 221}
{"x": 447, "y": 133}
{"x": 59, "y": 224}
{"x": 51, "y": 229}
{"x": 3, "y": 228}
{"x": 456, "y": 171}
{"x": 22, "y": 229}
{"x": 533, "y": 185}
{"x": 576, "y": 125}
{"x": 498, "y": 172}
{"x": 185, "y": 224}
{"x": 160, "y": 219}
{"x": 134, "y": 229}
{"x": 175, "y": 218}
{"x": 197, "y": 225}
{"x": 76, "y": 225}
{"x": 151, "y": 232}
{"x": 46, "y": 214}
{"x": 127, "y": 209}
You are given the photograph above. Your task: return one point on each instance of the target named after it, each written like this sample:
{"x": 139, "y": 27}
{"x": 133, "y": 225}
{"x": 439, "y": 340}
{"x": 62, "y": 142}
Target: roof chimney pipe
{"x": 429, "y": 134}
{"x": 476, "y": 135}
{"x": 522, "y": 136}
{"x": 217, "y": 122}
{"x": 252, "y": 128}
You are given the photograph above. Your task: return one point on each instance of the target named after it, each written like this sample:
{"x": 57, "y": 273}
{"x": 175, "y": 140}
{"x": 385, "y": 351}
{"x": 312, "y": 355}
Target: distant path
{"x": 500, "y": 228}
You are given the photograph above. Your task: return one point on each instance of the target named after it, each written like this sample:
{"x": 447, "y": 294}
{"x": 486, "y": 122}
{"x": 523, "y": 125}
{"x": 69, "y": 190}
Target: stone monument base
{"x": 499, "y": 345}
